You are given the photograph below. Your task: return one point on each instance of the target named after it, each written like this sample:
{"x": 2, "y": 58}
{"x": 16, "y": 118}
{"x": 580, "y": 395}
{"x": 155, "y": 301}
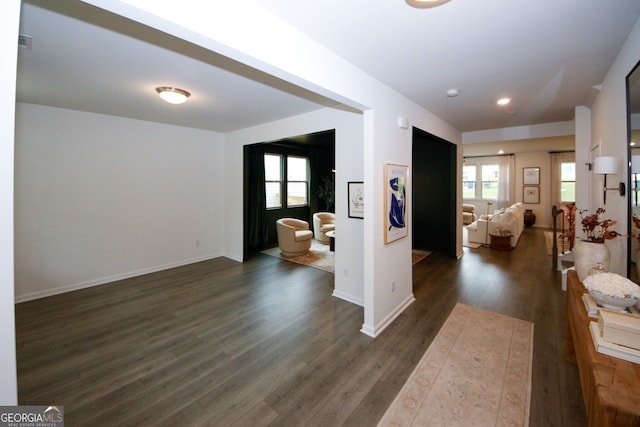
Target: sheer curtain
{"x": 555, "y": 175}
{"x": 506, "y": 181}
{"x": 556, "y": 161}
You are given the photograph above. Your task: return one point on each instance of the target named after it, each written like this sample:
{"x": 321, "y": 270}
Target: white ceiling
{"x": 546, "y": 55}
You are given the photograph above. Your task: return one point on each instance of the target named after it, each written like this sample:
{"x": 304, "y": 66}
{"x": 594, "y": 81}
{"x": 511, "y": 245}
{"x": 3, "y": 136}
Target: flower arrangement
{"x": 596, "y": 228}
{"x": 570, "y": 215}
{"x": 636, "y": 223}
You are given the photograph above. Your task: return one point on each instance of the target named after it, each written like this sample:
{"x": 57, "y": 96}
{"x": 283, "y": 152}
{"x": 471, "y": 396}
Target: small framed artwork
{"x": 355, "y": 191}
{"x": 531, "y": 176}
{"x": 396, "y": 178}
{"x": 531, "y": 194}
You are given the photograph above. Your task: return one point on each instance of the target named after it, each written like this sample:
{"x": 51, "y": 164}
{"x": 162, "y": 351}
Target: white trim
{"x": 348, "y": 298}
{"x": 377, "y": 330}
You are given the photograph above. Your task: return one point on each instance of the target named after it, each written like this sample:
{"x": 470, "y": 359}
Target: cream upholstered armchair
{"x": 323, "y": 222}
{"x": 294, "y": 236}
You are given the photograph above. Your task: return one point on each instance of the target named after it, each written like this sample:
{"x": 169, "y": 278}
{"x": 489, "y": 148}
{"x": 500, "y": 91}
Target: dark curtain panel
{"x": 314, "y": 183}
{"x": 256, "y": 201}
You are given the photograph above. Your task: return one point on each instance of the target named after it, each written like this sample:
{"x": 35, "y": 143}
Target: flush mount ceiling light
{"x": 173, "y": 95}
{"x": 425, "y": 4}
{"x": 504, "y": 101}
{"x": 452, "y": 93}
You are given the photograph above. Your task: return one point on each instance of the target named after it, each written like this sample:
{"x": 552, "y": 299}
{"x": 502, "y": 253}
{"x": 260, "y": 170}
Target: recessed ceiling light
{"x": 425, "y": 4}
{"x": 452, "y": 93}
{"x": 504, "y": 101}
{"x": 173, "y": 95}
{"x": 501, "y": 152}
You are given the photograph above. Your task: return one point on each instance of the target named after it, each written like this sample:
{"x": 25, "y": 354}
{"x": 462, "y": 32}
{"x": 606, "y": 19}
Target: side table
{"x": 332, "y": 239}
{"x": 610, "y": 386}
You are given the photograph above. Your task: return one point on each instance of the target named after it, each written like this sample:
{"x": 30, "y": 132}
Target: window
{"x": 297, "y": 181}
{"x": 490, "y": 175}
{"x": 480, "y": 180}
{"x": 567, "y": 182}
{"x": 273, "y": 180}
{"x": 469, "y": 182}
{"x": 277, "y": 166}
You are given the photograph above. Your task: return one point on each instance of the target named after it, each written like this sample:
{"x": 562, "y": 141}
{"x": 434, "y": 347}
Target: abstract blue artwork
{"x": 396, "y": 178}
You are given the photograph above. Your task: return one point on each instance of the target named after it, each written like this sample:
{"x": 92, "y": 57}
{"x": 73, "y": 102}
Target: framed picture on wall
{"x": 531, "y": 176}
{"x": 355, "y": 191}
{"x": 531, "y": 194}
{"x": 396, "y": 178}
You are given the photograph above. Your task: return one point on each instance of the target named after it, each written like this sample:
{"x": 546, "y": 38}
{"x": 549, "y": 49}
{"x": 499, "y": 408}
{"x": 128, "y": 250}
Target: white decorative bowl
{"x": 612, "y": 303}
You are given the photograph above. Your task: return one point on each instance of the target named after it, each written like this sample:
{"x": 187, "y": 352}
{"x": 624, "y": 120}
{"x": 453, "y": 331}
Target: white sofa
{"x": 510, "y": 219}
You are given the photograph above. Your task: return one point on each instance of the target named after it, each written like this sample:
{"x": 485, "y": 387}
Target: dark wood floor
{"x": 264, "y": 343}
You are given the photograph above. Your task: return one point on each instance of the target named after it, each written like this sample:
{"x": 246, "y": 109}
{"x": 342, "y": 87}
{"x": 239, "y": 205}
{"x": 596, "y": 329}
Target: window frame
{"x": 562, "y": 181}
{"x": 306, "y": 182}
{"x": 279, "y": 182}
{"x": 284, "y": 181}
{"x": 479, "y": 183}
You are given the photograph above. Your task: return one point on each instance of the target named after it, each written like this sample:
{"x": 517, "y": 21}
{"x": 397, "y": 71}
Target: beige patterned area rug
{"x": 477, "y": 371}
{"x": 318, "y": 256}
{"x": 418, "y": 255}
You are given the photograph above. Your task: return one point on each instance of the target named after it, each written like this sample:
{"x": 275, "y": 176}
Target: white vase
{"x": 587, "y": 255}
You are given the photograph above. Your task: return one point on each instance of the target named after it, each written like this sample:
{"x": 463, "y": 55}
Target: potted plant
{"x": 596, "y": 228}
{"x": 592, "y": 251}
{"x": 326, "y": 191}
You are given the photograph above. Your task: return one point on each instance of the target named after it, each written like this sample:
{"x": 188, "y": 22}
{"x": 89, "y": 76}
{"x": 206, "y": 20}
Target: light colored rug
{"x": 418, "y": 255}
{"x": 465, "y": 240}
{"x": 477, "y": 371}
{"x": 319, "y": 256}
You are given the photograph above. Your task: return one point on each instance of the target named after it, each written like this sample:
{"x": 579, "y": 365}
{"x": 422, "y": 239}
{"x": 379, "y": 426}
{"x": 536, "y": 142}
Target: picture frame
{"x": 531, "y": 176}
{"x": 355, "y": 202}
{"x": 531, "y": 194}
{"x": 396, "y": 180}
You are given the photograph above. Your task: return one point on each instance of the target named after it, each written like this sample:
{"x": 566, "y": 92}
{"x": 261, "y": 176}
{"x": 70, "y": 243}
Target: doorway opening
{"x": 434, "y": 162}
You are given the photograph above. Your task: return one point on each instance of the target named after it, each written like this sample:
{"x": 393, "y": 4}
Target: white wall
{"x": 247, "y": 33}
{"x": 540, "y": 160}
{"x": 609, "y": 131}
{"x": 99, "y": 198}
{"x": 9, "y": 23}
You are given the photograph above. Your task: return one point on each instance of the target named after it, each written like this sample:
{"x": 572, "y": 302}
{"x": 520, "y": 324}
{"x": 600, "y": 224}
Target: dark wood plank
{"x": 264, "y": 343}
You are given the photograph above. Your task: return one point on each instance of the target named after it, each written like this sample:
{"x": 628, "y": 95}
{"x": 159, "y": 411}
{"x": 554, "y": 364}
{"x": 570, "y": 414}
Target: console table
{"x": 610, "y": 386}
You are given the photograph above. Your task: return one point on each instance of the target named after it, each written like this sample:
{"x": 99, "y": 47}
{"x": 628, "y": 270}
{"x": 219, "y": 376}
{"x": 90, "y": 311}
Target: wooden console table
{"x": 610, "y": 386}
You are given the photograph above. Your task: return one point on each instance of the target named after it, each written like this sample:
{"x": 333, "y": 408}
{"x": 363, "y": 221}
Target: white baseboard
{"x": 348, "y": 298}
{"x": 109, "y": 279}
{"x": 377, "y": 330}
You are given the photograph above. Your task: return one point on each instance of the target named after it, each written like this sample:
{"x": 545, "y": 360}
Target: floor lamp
{"x": 486, "y": 237}
{"x": 635, "y": 170}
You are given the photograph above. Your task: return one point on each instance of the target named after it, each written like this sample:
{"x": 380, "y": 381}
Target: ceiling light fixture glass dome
{"x": 425, "y": 4}
{"x": 173, "y": 95}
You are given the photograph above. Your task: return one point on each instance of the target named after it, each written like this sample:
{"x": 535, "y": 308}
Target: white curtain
{"x": 556, "y": 161}
{"x": 555, "y": 175}
{"x": 506, "y": 181}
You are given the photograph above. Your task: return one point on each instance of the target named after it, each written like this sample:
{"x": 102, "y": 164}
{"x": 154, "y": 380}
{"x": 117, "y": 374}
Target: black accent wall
{"x": 434, "y": 193}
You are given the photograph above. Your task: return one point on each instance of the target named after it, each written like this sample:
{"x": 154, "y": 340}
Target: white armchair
{"x": 323, "y": 222}
{"x": 294, "y": 236}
